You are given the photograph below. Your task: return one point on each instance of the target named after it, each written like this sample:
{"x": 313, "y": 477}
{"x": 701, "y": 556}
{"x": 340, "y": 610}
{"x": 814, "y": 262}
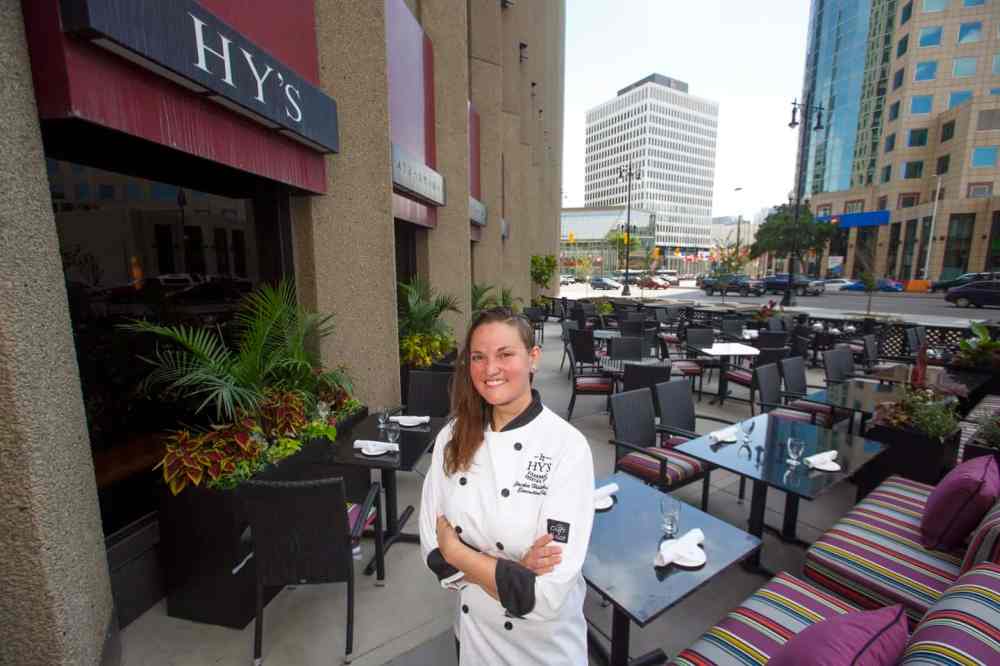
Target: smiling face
{"x": 500, "y": 364}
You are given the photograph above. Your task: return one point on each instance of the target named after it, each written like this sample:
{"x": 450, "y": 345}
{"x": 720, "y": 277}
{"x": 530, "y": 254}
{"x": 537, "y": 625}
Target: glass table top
{"x": 859, "y": 395}
{"x": 901, "y": 373}
{"x": 766, "y": 457}
{"x": 624, "y": 542}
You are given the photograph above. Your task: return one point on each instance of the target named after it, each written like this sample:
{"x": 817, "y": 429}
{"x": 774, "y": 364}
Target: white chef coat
{"x": 534, "y": 476}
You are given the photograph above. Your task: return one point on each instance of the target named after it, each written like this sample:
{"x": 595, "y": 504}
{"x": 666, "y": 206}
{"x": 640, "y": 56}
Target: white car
{"x": 838, "y": 283}
{"x": 566, "y": 279}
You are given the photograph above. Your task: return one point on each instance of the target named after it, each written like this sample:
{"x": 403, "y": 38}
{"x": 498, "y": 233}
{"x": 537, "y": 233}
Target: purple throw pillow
{"x": 860, "y": 638}
{"x": 959, "y": 502}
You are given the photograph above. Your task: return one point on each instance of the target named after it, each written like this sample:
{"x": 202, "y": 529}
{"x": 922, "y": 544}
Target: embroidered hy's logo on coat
{"x": 536, "y": 477}
{"x": 559, "y": 530}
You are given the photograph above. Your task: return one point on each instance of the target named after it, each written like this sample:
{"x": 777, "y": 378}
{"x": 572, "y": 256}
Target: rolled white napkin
{"x": 729, "y": 434}
{"x": 388, "y": 446}
{"x": 685, "y": 547}
{"x": 605, "y": 491}
{"x": 410, "y": 420}
{"x": 820, "y": 458}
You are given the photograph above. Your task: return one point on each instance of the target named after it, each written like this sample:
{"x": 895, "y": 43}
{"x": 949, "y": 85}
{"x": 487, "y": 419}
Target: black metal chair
{"x": 837, "y": 365}
{"x": 770, "y": 339}
{"x": 429, "y": 393}
{"x": 625, "y": 348}
{"x": 637, "y": 452}
{"x": 587, "y": 384}
{"x": 567, "y": 326}
{"x": 793, "y": 372}
{"x": 536, "y": 317}
{"x": 732, "y": 329}
{"x": 638, "y": 375}
{"x": 775, "y": 324}
{"x": 632, "y": 328}
{"x": 303, "y": 533}
{"x": 582, "y": 344}
{"x": 768, "y": 381}
{"x": 801, "y": 346}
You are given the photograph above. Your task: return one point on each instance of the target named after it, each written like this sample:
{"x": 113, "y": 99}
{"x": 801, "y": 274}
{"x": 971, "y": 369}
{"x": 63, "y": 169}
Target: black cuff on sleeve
{"x": 516, "y": 587}
{"x": 440, "y": 566}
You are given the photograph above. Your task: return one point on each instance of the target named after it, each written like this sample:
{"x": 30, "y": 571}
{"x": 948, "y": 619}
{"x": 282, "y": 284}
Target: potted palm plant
{"x": 424, "y": 336}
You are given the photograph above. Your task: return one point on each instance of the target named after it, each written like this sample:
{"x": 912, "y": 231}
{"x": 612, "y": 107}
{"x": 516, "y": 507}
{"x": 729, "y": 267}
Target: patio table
{"x": 605, "y": 334}
{"x": 764, "y": 460}
{"x": 900, "y": 374}
{"x": 619, "y": 564}
{"x": 317, "y": 459}
{"x": 858, "y": 395}
{"x": 725, "y": 351}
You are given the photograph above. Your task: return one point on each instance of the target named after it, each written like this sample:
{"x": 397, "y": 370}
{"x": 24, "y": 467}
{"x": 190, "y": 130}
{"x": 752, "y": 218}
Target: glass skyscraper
{"x": 847, "y": 71}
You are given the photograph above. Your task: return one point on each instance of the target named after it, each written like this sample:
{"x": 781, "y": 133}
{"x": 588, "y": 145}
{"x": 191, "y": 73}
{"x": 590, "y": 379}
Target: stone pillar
{"x": 882, "y": 267}
{"x": 56, "y": 606}
{"x": 444, "y": 254}
{"x": 485, "y": 91}
{"x": 345, "y": 241}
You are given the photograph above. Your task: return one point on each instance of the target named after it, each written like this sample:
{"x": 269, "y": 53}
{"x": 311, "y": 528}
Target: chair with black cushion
{"x": 536, "y": 317}
{"x": 582, "y": 343}
{"x": 625, "y": 348}
{"x": 668, "y": 334}
{"x": 793, "y": 372}
{"x": 745, "y": 377}
{"x": 632, "y": 328}
{"x": 801, "y": 346}
{"x": 304, "y": 533}
{"x": 775, "y": 324}
{"x": 638, "y": 453}
{"x": 591, "y": 383}
{"x": 837, "y": 365}
{"x": 768, "y": 381}
{"x": 429, "y": 393}
{"x": 639, "y": 375}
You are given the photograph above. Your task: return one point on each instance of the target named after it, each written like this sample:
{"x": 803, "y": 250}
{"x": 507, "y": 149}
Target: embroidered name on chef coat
{"x": 536, "y": 477}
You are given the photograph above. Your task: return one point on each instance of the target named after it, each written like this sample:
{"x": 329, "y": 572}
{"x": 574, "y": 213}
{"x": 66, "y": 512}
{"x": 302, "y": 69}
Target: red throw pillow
{"x": 959, "y": 502}
{"x": 861, "y": 638}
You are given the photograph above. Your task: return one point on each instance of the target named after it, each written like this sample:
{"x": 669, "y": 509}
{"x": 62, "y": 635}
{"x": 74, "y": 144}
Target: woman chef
{"x": 507, "y": 507}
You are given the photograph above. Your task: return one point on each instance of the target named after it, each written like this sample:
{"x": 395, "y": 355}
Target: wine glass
{"x": 392, "y": 432}
{"x": 670, "y": 511}
{"x": 383, "y": 417}
{"x": 795, "y": 448}
{"x": 746, "y": 427}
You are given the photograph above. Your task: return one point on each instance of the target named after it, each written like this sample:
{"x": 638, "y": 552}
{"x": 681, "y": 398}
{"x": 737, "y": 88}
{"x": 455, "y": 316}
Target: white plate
{"x": 375, "y": 450}
{"x": 690, "y": 559}
{"x": 826, "y": 466}
{"x": 723, "y": 436}
{"x": 409, "y": 421}
{"x": 604, "y": 503}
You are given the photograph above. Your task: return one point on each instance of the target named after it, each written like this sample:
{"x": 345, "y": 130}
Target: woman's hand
{"x": 447, "y": 539}
{"x": 542, "y": 558}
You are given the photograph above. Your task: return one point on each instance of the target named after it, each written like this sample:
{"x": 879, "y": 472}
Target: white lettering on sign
{"x": 416, "y": 177}
{"x": 293, "y": 95}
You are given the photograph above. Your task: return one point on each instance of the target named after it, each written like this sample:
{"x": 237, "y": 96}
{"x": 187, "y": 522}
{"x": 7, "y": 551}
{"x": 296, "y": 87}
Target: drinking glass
{"x": 392, "y": 432}
{"x": 670, "y": 511}
{"x": 746, "y": 427}
{"x": 795, "y": 448}
{"x": 383, "y": 417}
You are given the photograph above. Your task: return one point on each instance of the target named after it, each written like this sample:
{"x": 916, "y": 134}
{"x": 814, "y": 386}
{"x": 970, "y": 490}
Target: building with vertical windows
{"x": 160, "y": 160}
{"x": 927, "y": 210}
{"x": 655, "y": 124}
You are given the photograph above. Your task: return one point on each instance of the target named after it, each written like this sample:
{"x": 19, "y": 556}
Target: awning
{"x": 872, "y": 218}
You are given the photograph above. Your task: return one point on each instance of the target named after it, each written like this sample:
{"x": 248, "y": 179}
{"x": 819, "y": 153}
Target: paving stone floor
{"x": 407, "y": 622}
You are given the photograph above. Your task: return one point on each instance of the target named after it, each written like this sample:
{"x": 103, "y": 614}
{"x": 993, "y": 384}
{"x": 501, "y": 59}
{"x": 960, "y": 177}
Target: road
{"x": 885, "y": 303}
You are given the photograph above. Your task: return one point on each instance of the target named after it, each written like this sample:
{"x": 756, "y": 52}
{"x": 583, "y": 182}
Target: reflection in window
{"x": 893, "y": 250}
{"x": 886, "y": 173}
{"x": 925, "y": 71}
{"x": 897, "y": 78}
{"x": 996, "y": 65}
{"x": 906, "y": 13}
{"x": 81, "y": 192}
{"x": 890, "y": 143}
{"x": 909, "y": 246}
{"x": 902, "y": 45}
{"x": 917, "y": 137}
{"x": 947, "y": 131}
{"x": 973, "y": 3}
{"x": 930, "y": 36}
{"x": 920, "y": 104}
{"x": 935, "y": 5}
{"x": 984, "y": 157}
{"x": 942, "y": 164}
{"x": 913, "y": 169}
{"x": 964, "y": 67}
{"x": 969, "y": 33}
{"x": 894, "y": 110}
{"x": 959, "y": 97}
{"x": 958, "y": 245}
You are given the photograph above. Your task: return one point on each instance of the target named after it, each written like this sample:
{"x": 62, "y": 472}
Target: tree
{"x": 584, "y": 267}
{"x": 651, "y": 258}
{"x": 618, "y": 240}
{"x": 543, "y": 267}
{"x": 781, "y": 236}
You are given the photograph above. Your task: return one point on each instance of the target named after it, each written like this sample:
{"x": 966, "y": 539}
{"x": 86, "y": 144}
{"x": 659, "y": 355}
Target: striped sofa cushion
{"x": 984, "y": 546}
{"x": 963, "y": 626}
{"x": 754, "y": 631}
{"x": 873, "y": 555}
{"x": 680, "y": 468}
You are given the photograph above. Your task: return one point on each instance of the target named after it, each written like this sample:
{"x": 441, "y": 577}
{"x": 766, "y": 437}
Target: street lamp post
{"x": 628, "y": 174}
{"x": 807, "y": 108}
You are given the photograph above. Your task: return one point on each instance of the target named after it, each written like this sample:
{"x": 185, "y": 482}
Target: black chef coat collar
{"x": 528, "y": 415}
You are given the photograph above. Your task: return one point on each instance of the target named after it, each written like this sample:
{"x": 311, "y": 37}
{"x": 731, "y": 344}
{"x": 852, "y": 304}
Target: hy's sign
{"x": 414, "y": 177}
{"x": 184, "y": 42}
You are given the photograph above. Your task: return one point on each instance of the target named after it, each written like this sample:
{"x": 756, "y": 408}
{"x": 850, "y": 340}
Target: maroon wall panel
{"x": 475, "y": 182}
{"x": 75, "y": 79}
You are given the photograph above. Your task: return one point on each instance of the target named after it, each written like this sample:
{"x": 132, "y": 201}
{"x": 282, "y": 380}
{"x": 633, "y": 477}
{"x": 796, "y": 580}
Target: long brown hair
{"x": 469, "y": 408}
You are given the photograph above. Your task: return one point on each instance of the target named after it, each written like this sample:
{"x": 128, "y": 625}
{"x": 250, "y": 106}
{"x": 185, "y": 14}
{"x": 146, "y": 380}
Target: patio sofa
{"x": 870, "y": 559}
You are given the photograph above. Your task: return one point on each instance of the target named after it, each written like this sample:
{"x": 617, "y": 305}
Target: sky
{"x": 748, "y": 56}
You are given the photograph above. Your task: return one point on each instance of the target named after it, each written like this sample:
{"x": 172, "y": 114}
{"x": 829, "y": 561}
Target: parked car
{"x": 669, "y": 275}
{"x": 604, "y": 284}
{"x": 882, "y": 284}
{"x": 739, "y": 284}
{"x": 975, "y": 292}
{"x": 566, "y": 279}
{"x": 653, "y": 282}
{"x": 803, "y": 285}
{"x": 837, "y": 284}
{"x": 965, "y": 278}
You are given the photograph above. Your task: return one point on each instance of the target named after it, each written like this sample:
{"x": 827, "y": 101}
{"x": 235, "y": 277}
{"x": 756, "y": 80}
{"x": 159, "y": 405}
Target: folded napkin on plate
{"x": 388, "y": 446}
{"x": 605, "y": 491}
{"x": 685, "y": 547}
{"x": 726, "y": 434}
{"x": 410, "y": 419}
{"x": 820, "y": 458}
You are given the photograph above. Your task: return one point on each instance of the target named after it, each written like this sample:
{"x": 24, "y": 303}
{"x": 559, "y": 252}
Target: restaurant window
{"x": 893, "y": 250}
{"x": 144, "y": 256}
{"x": 958, "y": 245}
{"x": 909, "y": 247}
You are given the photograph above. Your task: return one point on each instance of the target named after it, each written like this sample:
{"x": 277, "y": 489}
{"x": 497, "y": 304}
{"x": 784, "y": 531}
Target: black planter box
{"x": 972, "y": 450}
{"x": 912, "y": 454}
